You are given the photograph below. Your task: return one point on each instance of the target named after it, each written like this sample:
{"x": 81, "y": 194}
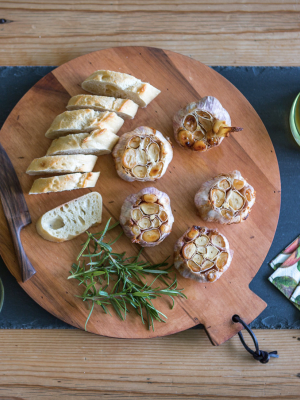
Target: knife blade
{"x": 15, "y": 210}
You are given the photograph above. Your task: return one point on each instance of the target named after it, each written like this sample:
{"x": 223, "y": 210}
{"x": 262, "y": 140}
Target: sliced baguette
{"x": 64, "y": 182}
{"x": 125, "y": 109}
{"x": 78, "y": 121}
{"x": 117, "y": 84}
{"x": 99, "y": 142}
{"x": 71, "y": 219}
{"x": 62, "y": 164}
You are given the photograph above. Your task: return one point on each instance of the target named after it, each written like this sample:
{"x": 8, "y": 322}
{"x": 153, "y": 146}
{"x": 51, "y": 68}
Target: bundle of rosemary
{"x": 112, "y": 279}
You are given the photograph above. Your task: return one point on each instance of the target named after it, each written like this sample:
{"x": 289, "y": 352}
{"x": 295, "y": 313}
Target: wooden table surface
{"x": 69, "y": 364}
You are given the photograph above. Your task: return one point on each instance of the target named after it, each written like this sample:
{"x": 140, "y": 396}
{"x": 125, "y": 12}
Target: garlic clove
{"x": 134, "y": 142}
{"x": 222, "y": 260}
{"x": 144, "y": 223}
{"x": 201, "y": 249}
{"x": 213, "y": 141}
{"x": 155, "y": 223}
{"x": 211, "y": 276}
{"x": 193, "y": 266}
{"x": 202, "y": 240}
{"x": 129, "y": 158}
{"x": 217, "y": 197}
{"x": 238, "y": 184}
{"x": 218, "y": 241}
{"x": 248, "y": 195}
{"x": 200, "y": 145}
{"x": 224, "y": 184}
{"x": 150, "y": 198}
{"x": 139, "y": 171}
{"x": 193, "y": 233}
{"x": 188, "y": 250}
{"x": 153, "y": 152}
{"x": 186, "y": 138}
{"x": 156, "y": 170}
{"x": 206, "y": 265}
{"x": 165, "y": 228}
{"x": 136, "y": 230}
{"x": 205, "y": 119}
{"x": 163, "y": 215}
{"x": 152, "y": 235}
{"x": 227, "y": 213}
{"x": 198, "y": 258}
{"x": 211, "y": 252}
{"x": 149, "y": 208}
{"x": 235, "y": 200}
{"x": 190, "y": 123}
{"x": 136, "y": 214}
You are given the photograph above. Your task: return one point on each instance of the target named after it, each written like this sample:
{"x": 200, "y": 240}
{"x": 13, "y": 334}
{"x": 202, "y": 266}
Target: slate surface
{"x": 271, "y": 91}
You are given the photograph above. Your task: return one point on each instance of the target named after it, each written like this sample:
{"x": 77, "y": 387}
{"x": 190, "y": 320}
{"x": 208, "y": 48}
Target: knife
{"x": 15, "y": 210}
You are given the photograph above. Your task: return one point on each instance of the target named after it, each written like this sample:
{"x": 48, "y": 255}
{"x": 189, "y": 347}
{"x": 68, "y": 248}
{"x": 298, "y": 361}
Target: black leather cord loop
{"x": 259, "y": 355}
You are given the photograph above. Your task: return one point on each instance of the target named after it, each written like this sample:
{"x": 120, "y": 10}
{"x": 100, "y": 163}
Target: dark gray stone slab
{"x": 271, "y": 91}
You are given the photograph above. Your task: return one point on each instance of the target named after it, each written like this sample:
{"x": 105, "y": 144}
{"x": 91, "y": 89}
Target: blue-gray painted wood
{"x": 271, "y": 91}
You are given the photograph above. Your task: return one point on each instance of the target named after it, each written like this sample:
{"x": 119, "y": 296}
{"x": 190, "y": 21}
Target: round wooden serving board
{"x": 181, "y": 80}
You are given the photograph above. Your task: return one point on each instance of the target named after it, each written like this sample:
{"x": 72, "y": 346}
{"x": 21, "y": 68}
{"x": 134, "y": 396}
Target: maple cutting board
{"x": 181, "y": 80}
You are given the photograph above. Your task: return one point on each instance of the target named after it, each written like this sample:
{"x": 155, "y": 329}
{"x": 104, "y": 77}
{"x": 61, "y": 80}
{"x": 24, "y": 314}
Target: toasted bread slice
{"x": 98, "y": 142}
{"x": 62, "y": 164}
{"x": 124, "y": 108}
{"x": 64, "y": 182}
{"x": 117, "y": 84}
{"x": 71, "y": 219}
{"x": 79, "y": 121}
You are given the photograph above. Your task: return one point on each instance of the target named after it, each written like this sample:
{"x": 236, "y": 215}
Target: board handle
{"x": 259, "y": 355}
{"x": 16, "y": 224}
{"x": 237, "y": 299}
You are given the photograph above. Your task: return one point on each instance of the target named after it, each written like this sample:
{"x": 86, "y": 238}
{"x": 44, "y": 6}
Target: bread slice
{"x": 71, "y": 219}
{"x": 99, "y": 142}
{"x": 117, "y": 84}
{"x": 62, "y": 164}
{"x": 125, "y": 109}
{"x": 64, "y": 182}
{"x": 79, "y": 121}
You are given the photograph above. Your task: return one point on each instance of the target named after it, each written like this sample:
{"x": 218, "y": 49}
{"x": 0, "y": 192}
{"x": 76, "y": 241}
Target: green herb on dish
{"x": 112, "y": 279}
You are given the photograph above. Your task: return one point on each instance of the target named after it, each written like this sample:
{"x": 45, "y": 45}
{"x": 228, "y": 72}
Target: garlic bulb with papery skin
{"x": 202, "y": 254}
{"x": 227, "y": 199}
{"x": 146, "y": 217}
{"x": 143, "y": 155}
{"x": 202, "y": 125}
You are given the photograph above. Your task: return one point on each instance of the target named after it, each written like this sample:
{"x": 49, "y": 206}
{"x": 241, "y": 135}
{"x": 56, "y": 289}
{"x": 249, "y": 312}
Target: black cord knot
{"x": 259, "y": 355}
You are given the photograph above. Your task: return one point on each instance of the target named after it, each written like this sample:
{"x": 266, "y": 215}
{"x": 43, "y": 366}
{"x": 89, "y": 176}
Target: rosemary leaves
{"x": 112, "y": 279}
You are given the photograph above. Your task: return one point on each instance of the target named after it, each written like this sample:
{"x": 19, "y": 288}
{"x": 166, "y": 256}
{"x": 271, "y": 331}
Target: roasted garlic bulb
{"x": 202, "y": 125}
{"x": 143, "y": 155}
{"x": 146, "y": 217}
{"x": 202, "y": 254}
{"x": 227, "y": 198}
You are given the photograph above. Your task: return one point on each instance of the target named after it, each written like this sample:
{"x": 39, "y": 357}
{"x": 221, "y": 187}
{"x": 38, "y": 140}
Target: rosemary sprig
{"x": 110, "y": 278}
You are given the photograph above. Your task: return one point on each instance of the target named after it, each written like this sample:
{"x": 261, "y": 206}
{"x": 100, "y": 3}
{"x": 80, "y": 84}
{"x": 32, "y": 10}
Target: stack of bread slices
{"x": 88, "y": 129}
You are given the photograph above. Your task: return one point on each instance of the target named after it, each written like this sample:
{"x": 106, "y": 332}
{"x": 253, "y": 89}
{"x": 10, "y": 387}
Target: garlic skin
{"x": 227, "y": 199}
{"x": 202, "y": 125}
{"x": 142, "y": 155}
{"x": 202, "y": 254}
{"x": 146, "y": 217}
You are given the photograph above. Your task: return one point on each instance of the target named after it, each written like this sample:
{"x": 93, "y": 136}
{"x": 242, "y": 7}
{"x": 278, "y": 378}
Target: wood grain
{"x": 213, "y": 32}
{"x": 71, "y": 364}
{"x": 251, "y": 152}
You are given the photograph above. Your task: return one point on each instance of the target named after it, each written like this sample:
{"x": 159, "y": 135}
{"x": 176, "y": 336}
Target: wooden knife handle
{"x": 16, "y": 225}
